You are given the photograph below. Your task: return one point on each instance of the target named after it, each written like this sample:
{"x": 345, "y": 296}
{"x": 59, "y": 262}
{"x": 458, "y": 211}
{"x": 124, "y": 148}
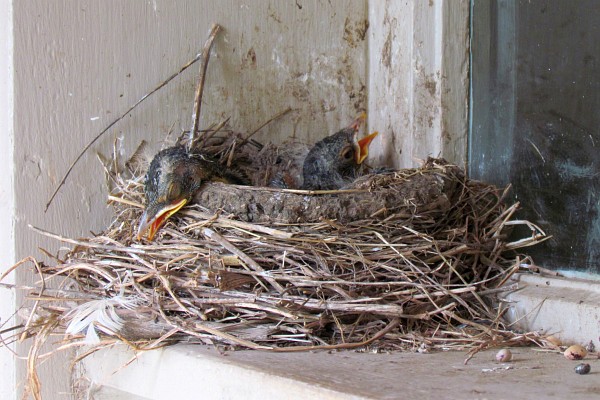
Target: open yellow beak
{"x": 363, "y": 147}
{"x": 154, "y": 224}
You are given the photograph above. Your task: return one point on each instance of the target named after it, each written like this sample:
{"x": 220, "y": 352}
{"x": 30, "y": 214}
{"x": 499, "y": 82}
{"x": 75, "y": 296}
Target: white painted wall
{"x": 77, "y": 65}
{"x": 418, "y": 80}
{"x": 7, "y": 204}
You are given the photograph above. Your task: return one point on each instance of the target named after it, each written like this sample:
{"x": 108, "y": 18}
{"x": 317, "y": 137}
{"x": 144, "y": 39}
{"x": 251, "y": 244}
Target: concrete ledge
{"x": 196, "y": 371}
{"x": 199, "y": 372}
{"x": 568, "y": 308}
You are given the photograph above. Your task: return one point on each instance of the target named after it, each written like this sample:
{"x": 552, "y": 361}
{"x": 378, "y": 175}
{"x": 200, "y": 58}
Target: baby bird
{"x": 335, "y": 161}
{"x": 172, "y": 179}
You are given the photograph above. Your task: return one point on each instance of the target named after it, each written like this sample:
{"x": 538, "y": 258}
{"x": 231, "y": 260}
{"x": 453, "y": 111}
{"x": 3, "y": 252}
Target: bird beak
{"x": 359, "y": 121}
{"x": 153, "y": 224}
{"x": 363, "y": 147}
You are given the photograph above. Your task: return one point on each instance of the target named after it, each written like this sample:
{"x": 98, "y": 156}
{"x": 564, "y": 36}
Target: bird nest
{"x": 406, "y": 259}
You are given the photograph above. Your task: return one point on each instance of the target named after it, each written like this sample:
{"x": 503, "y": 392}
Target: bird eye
{"x": 174, "y": 191}
{"x": 347, "y": 153}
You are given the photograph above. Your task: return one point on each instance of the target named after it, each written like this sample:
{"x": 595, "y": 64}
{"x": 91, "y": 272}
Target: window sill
{"x": 565, "y": 307}
{"x": 552, "y": 305}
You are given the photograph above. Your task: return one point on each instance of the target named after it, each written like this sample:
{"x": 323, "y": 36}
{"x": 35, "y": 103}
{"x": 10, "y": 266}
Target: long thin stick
{"x": 279, "y": 115}
{"x": 86, "y": 243}
{"x": 144, "y": 97}
{"x": 200, "y": 89}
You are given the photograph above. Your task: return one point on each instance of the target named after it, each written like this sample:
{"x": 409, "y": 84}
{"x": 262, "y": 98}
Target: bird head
{"x": 352, "y": 151}
{"x": 335, "y": 160}
{"x": 173, "y": 177}
{"x": 358, "y": 148}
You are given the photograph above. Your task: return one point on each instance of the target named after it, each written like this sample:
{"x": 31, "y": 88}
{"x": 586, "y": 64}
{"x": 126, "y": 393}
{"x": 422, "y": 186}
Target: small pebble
{"x": 504, "y": 355}
{"x": 423, "y": 348}
{"x": 591, "y": 348}
{"x": 583, "y": 369}
{"x": 575, "y": 352}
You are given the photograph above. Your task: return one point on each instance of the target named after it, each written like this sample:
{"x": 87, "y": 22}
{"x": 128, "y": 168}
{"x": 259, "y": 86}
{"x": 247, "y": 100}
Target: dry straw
{"x": 418, "y": 270}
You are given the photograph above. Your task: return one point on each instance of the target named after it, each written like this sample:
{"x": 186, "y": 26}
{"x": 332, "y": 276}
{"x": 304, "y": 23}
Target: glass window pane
{"x": 535, "y": 113}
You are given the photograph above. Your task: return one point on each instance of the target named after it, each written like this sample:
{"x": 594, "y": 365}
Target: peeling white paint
{"x": 418, "y": 80}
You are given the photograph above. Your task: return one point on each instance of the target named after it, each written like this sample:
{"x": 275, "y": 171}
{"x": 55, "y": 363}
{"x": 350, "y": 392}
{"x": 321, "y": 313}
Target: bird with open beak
{"x": 336, "y": 161}
{"x": 172, "y": 179}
